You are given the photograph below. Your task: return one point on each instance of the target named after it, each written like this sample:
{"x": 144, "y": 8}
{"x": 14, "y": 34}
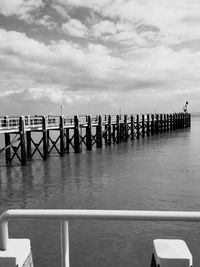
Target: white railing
{"x": 65, "y": 215}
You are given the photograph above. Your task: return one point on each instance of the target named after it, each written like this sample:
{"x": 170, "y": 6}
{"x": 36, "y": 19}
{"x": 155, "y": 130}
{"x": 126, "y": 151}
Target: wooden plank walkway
{"x": 74, "y": 132}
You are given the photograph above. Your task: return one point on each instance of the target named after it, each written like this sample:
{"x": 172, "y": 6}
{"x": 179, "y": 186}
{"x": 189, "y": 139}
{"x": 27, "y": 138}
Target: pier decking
{"x": 76, "y": 132}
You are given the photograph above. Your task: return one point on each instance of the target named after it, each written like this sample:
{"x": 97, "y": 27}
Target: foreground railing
{"x": 65, "y": 215}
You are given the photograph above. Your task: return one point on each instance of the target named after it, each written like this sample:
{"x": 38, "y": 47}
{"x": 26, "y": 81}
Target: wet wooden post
{"x": 125, "y": 128}
{"x": 177, "y": 121}
{"x": 132, "y": 127}
{"x": 22, "y": 140}
{"x": 67, "y": 140}
{"x": 152, "y": 125}
{"x": 161, "y": 123}
{"x": 148, "y": 125}
{"x": 167, "y": 123}
{"x": 138, "y": 126}
{"x": 89, "y": 134}
{"x": 174, "y": 121}
{"x": 48, "y": 135}
{"x": 118, "y": 129}
{"x": 157, "y": 124}
{"x": 8, "y": 149}
{"x": 171, "y": 122}
{"x": 77, "y": 147}
{"x": 99, "y": 132}
{"x": 114, "y": 132}
{"x": 28, "y": 141}
{"x": 121, "y": 131}
{"x": 62, "y": 136}
{"x": 105, "y": 130}
{"x": 109, "y": 141}
{"x": 45, "y": 138}
{"x": 184, "y": 119}
{"x": 181, "y": 120}
{"x": 164, "y": 123}
{"x": 189, "y": 120}
{"x": 143, "y": 126}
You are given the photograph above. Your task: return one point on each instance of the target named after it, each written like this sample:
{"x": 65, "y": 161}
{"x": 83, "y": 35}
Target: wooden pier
{"x": 77, "y": 132}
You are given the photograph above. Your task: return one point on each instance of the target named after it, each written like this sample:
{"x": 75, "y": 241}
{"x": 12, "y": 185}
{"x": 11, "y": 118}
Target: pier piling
{"x": 22, "y": 140}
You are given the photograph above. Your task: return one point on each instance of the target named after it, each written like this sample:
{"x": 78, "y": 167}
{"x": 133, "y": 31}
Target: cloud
{"x": 19, "y": 7}
{"x": 62, "y": 64}
{"x": 75, "y": 28}
{"x": 61, "y": 10}
{"x": 104, "y": 27}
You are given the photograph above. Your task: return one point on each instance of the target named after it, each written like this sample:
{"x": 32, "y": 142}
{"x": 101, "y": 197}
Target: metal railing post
{"x": 64, "y": 229}
{"x": 3, "y": 233}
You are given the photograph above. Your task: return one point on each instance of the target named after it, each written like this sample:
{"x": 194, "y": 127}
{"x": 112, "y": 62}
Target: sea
{"x": 156, "y": 173}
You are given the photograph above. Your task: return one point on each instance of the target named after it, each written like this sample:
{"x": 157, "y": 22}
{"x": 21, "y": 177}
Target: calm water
{"x": 158, "y": 173}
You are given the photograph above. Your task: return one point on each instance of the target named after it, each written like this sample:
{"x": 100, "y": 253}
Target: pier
{"x": 73, "y": 133}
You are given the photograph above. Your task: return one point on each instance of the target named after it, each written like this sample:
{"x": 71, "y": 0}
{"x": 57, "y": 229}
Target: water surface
{"x": 156, "y": 173}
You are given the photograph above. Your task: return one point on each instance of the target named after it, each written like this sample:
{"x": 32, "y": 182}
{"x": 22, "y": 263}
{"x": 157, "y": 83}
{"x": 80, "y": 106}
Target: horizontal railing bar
{"x": 102, "y": 214}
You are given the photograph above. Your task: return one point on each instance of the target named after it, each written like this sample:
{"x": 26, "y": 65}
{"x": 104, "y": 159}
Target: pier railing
{"x": 65, "y": 215}
{"x": 37, "y": 121}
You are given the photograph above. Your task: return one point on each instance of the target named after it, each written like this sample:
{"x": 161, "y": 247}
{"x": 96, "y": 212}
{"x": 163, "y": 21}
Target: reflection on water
{"x": 160, "y": 172}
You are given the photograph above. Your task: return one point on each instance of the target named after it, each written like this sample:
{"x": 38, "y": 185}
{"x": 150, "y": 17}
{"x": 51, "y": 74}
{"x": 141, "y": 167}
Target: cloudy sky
{"x": 99, "y": 56}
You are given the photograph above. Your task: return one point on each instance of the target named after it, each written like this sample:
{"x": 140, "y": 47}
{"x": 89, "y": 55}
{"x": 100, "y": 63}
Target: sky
{"x": 99, "y": 56}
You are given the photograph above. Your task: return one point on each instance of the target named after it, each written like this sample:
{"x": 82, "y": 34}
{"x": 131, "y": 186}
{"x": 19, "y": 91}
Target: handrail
{"x": 65, "y": 215}
{"x": 34, "y": 121}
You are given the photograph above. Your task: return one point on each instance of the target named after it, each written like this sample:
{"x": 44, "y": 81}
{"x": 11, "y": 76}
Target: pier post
{"x": 99, "y": 132}
{"x": 62, "y": 136}
{"x": 114, "y": 132}
{"x": 143, "y": 126}
{"x": 152, "y": 125}
{"x": 125, "y": 128}
{"x": 189, "y": 120}
{"x": 164, "y": 123}
{"x": 28, "y": 141}
{"x": 167, "y": 125}
{"x": 118, "y": 129}
{"x": 22, "y": 140}
{"x": 183, "y": 120}
{"x": 77, "y": 147}
{"x": 174, "y": 121}
{"x": 8, "y": 149}
{"x": 109, "y": 141}
{"x": 138, "y": 127}
{"x": 177, "y": 120}
{"x": 132, "y": 127}
{"x": 89, "y": 134}
{"x": 148, "y": 125}
{"x": 67, "y": 140}
{"x": 157, "y": 124}
{"x": 171, "y": 122}
{"x": 45, "y": 137}
{"x": 161, "y": 123}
